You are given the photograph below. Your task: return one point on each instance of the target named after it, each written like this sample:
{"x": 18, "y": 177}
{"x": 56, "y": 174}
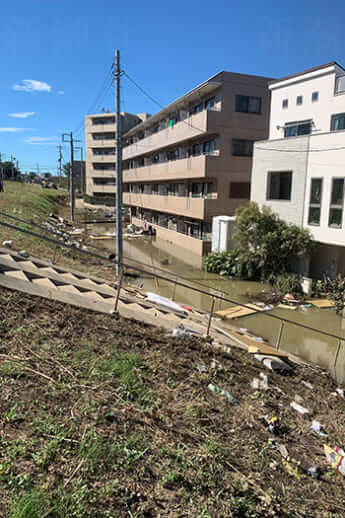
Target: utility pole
{"x": 59, "y": 162}
{"x": 68, "y": 137}
{"x": 118, "y": 151}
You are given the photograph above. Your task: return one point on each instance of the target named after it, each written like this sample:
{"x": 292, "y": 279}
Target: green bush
{"x": 223, "y": 263}
{"x": 286, "y": 283}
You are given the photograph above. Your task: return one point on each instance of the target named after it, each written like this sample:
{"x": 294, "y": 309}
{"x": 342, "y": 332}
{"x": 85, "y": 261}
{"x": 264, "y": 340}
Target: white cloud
{"x": 41, "y": 140}
{"x": 32, "y": 85}
{"x": 12, "y": 130}
{"x": 21, "y": 115}
{"x": 60, "y": 92}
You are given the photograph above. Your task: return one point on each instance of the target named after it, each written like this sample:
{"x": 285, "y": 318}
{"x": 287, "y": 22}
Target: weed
{"x": 32, "y": 504}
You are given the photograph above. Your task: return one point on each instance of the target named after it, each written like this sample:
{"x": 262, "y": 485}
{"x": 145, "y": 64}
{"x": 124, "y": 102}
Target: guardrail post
{"x": 174, "y": 289}
{"x": 119, "y": 284}
{"x": 280, "y": 334}
{"x": 336, "y": 359}
{"x": 210, "y": 317}
{"x": 54, "y": 255}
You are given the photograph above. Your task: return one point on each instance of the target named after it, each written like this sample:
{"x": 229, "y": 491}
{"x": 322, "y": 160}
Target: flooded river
{"x": 302, "y": 342}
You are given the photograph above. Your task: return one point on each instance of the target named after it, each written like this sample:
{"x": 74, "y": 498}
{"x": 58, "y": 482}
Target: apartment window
{"x": 156, "y": 129}
{"x": 315, "y": 201}
{"x": 107, "y": 120}
{"x": 337, "y": 203}
{"x": 338, "y": 122}
{"x": 242, "y": 147}
{"x": 173, "y": 154}
{"x": 104, "y": 181}
{"x": 240, "y": 190}
{"x": 172, "y": 121}
{"x": 209, "y": 103}
{"x": 103, "y": 151}
{"x": 196, "y": 190}
{"x": 103, "y": 136}
{"x": 285, "y": 103}
{"x": 295, "y": 129}
{"x": 299, "y": 100}
{"x": 314, "y": 97}
{"x": 279, "y": 185}
{"x": 155, "y": 159}
{"x": 198, "y": 108}
{"x": 172, "y": 189}
{"x": 248, "y": 104}
{"x": 209, "y": 146}
{"x": 196, "y": 149}
{"x": 104, "y": 167}
{"x": 155, "y": 188}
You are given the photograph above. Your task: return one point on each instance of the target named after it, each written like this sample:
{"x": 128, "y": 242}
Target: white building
{"x": 300, "y": 171}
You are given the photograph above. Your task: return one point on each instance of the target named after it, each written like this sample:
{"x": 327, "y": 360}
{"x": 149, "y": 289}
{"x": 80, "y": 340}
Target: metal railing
{"x": 179, "y": 281}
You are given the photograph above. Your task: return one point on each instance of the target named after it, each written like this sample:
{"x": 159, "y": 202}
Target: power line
{"x": 300, "y": 150}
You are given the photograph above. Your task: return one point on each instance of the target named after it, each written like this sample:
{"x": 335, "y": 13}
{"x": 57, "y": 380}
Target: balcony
{"x": 183, "y": 206}
{"x": 103, "y": 189}
{"x": 192, "y": 167}
{"x": 197, "y": 124}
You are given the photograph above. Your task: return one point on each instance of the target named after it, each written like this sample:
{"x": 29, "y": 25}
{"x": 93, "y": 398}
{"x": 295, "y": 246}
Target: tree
{"x": 266, "y": 243}
{"x": 66, "y": 169}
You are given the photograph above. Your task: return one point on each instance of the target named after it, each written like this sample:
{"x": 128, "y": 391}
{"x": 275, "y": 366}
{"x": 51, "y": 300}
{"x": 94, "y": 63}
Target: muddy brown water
{"x": 307, "y": 344}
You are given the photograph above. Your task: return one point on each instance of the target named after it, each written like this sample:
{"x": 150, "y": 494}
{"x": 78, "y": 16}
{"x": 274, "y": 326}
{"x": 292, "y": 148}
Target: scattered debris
{"x": 260, "y": 384}
{"x": 314, "y": 472}
{"x": 273, "y": 424}
{"x": 307, "y": 384}
{"x": 7, "y": 243}
{"x": 202, "y": 368}
{"x": 318, "y": 428}
{"x": 286, "y": 306}
{"x": 216, "y": 365}
{"x": 221, "y": 392}
{"x": 23, "y": 253}
{"x": 273, "y": 363}
{"x": 163, "y": 301}
{"x": 299, "y": 408}
{"x": 336, "y": 458}
{"x": 283, "y": 451}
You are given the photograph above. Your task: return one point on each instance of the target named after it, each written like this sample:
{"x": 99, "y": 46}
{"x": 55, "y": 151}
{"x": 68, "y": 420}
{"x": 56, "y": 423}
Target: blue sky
{"x": 66, "y": 49}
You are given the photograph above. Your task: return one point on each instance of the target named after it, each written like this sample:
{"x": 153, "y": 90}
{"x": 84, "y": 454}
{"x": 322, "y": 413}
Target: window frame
{"x": 297, "y": 125}
{"x": 334, "y": 206}
{"x": 247, "y": 97}
{"x": 315, "y": 205}
{"x": 333, "y": 118}
{"x": 315, "y": 97}
{"x": 299, "y": 98}
{"x": 239, "y": 142}
{"x": 268, "y": 187}
{"x": 285, "y": 103}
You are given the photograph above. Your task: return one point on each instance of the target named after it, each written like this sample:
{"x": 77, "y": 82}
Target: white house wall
{"x": 321, "y": 81}
{"x": 281, "y": 155}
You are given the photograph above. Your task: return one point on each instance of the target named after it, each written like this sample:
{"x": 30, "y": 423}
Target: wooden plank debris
{"x": 238, "y": 311}
{"x": 321, "y": 303}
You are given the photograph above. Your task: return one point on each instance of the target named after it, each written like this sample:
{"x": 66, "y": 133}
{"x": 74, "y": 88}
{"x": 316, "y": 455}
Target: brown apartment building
{"x": 100, "y": 131}
{"x": 192, "y": 160}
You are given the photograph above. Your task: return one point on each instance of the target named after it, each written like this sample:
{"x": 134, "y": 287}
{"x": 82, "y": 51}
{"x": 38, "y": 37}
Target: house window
{"x": 314, "y": 97}
{"x": 240, "y": 190}
{"x": 340, "y": 85}
{"x": 294, "y": 129}
{"x": 338, "y": 122}
{"x": 299, "y": 100}
{"x": 196, "y": 190}
{"x": 279, "y": 185}
{"x": 285, "y": 103}
{"x": 172, "y": 189}
{"x": 248, "y": 104}
{"x": 242, "y": 147}
{"x": 337, "y": 203}
{"x": 155, "y": 159}
{"x": 315, "y": 201}
{"x": 209, "y": 103}
{"x": 209, "y": 146}
{"x": 172, "y": 121}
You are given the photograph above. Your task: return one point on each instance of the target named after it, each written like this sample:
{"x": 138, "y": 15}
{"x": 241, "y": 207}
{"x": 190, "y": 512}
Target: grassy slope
{"x": 34, "y": 204}
{"x": 115, "y": 420}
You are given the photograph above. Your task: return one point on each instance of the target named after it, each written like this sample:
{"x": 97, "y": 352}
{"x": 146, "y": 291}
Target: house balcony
{"x": 179, "y": 205}
{"x": 206, "y": 121}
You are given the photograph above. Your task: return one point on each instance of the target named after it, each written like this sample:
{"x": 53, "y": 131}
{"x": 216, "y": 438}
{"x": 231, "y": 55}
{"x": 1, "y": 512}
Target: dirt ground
{"x": 104, "y": 417}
